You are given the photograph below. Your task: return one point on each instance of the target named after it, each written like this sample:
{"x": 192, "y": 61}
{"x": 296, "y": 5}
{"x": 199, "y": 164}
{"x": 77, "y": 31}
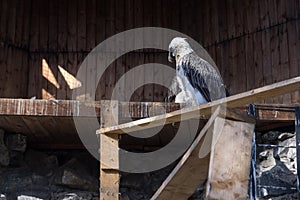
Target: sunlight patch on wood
{"x": 48, "y": 74}
{"x": 47, "y": 95}
{"x": 69, "y": 78}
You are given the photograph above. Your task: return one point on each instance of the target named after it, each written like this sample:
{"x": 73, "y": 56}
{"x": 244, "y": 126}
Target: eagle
{"x": 196, "y": 81}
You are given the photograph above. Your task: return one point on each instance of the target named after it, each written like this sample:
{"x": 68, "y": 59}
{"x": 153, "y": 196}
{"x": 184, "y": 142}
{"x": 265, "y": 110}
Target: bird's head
{"x": 178, "y": 47}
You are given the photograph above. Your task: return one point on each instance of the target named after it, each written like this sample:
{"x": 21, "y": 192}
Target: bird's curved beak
{"x": 171, "y": 58}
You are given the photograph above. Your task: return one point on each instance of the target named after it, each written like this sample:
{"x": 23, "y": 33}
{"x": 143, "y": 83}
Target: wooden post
{"x": 230, "y": 157}
{"x": 109, "y": 153}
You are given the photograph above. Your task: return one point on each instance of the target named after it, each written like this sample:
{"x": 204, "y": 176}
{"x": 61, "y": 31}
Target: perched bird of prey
{"x": 196, "y": 81}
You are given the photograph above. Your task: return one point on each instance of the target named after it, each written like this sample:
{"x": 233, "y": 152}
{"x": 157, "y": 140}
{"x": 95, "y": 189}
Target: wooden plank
{"x": 284, "y": 59}
{"x": 109, "y": 153}
{"x": 232, "y": 63}
{"x": 240, "y": 72}
{"x": 264, "y": 14}
{"x": 293, "y": 48}
{"x": 222, "y": 14}
{"x": 281, "y": 11}
{"x": 53, "y": 26}
{"x": 258, "y": 67}
{"x": 20, "y": 7}
{"x": 62, "y": 30}
{"x": 291, "y": 9}
{"x": 90, "y": 25}
{"x": 72, "y": 26}
{"x": 25, "y": 40}
{"x": 249, "y": 62}
{"x": 34, "y": 26}
{"x": 241, "y": 99}
{"x": 266, "y": 58}
{"x": 230, "y": 19}
{"x": 43, "y": 26}
{"x": 190, "y": 171}
{"x": 3, "y": 20}
{"x": 229, "y": 174}
{"x": 272, "y": 4}
{"x": 120, "y": 62}
{"x": 110, "y": 78}
{"x": 12, "y": 19}
{"x": 275, "y": 58}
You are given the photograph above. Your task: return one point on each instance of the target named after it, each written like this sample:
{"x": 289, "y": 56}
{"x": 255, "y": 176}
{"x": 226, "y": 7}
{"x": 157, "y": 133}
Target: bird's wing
{"x": 203, "y": 77}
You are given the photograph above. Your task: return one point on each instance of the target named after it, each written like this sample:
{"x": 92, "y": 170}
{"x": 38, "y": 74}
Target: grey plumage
{"x": 201, "y": 82}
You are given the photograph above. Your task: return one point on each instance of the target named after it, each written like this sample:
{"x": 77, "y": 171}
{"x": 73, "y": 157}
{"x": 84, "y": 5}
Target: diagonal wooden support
{"x": 241, "y": 99}
{"x": 189, "y": 172}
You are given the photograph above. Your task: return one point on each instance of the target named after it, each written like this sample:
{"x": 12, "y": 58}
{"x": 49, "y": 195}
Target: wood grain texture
{"x": 241, "y": 99}
{"x": 44, "y": 28}
{"x": 190, "y": 172}
{"x": 229, "y": 174}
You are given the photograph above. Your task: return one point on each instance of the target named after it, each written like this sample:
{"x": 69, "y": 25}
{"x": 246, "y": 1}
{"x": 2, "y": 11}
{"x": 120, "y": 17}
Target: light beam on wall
{"x": 70, "y": 79}
{"x": 48, "y": 74}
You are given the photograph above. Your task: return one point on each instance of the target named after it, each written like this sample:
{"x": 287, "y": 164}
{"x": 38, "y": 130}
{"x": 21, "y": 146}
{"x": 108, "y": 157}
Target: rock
{"x": 16, "y": 142}
{"x": 34, "y": 160}
{"x": 4, "y": 153}
{"x": 78, "y": 195}
{"x": 270, "y": 137}
{"x": 25, "y": 197}
{"x": 276, "y": 181}
{"x": 288, "y": 155}
{"x": 266, "y": 160}
{"x": 134, "y": 181}
{"x": 74, "y": 175}
{"x": 284, "y": 136}
{"x": 2, "y": 197}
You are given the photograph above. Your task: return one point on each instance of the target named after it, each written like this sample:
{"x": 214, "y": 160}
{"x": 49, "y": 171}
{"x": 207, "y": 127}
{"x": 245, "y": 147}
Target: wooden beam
{"x": 241, "y": 99}
{"x": 109, "y": 153}
{"x": 229, "y": 171}
{"x": 190, "y": 172}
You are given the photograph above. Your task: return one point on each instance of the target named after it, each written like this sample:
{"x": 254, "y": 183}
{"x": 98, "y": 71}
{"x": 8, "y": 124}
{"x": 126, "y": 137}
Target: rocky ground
{"x": 276, "y": 165}
{"x": 28, "y": 174}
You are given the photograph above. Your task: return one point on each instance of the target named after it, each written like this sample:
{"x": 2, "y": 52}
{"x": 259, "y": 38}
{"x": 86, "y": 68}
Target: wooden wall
{"x": 253, "y": 42}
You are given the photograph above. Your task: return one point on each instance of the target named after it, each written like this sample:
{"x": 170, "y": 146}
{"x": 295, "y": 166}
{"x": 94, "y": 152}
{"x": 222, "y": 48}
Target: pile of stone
{"x": 276, "y": 165}
{"x": 30, "y": 174}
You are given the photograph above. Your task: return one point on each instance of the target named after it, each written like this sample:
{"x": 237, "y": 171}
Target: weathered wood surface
{"x": 241, "y": 99}
{"x": 190, "y": 171}
{"x": 109, "y": 153}
{"x": 228, "y": 171}
{"x": 32, "y": 117}
{"x": 256, "y": 40}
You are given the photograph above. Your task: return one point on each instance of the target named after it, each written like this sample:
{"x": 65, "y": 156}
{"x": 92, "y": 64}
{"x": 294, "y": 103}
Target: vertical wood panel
{"x": 222, "y": 10}
{"x": 19, "y": 22}
{"x": 284, "y": 58}
{"x": 72, "y": 41}
{"x": 275, "y": 58}
{"x": 26, "y": 24}
{"x": 249, "y": 62}
{"x": 240, "y": 74}
{"x": 258, "y": 66}
{"x": 100, "y": 35}
{"x": 12, "y": 19}
{"x": 230, "y": 19}
{"x": 264, "y": 14}
{"x": 293, "y": 48}
{"x": 272, "y": 12}
{"x": 266, "y": 57}
{"x": 63, "y": 31}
